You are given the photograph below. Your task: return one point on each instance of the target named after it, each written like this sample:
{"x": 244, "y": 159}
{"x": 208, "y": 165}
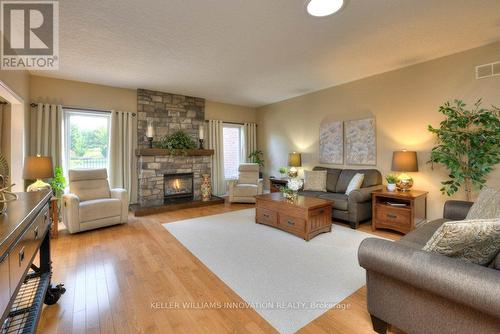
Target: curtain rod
{"x": 235, "y": 123}
{"x": 81, "y": 108}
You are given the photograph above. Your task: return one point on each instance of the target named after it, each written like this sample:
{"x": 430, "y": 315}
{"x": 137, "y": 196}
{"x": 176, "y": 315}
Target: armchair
{"x": 247, "y": 186}
{"x": 91, "y": 203}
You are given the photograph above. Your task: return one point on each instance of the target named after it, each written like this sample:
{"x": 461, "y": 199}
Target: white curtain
{"x": 47, "y": 132}
{"x": 123, "y": 162}
{"x": 250, "y": 135}
{"x": 215, "y": 142}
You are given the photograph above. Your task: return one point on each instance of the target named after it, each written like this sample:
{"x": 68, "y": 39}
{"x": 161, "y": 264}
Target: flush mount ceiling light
{"x": 322, "y": 8}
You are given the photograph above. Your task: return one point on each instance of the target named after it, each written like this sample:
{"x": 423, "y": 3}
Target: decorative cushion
{"x": 487, "y": 205}
{"x": 372, "y": 178}
{"x": 475, "y": 240}
{"x": 332, "y": 176}
{"x": 355, "y": 183}
{"x": 315, "y": 180}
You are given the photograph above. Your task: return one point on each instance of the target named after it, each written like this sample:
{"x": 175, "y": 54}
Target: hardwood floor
{"x": 137, "y": 278}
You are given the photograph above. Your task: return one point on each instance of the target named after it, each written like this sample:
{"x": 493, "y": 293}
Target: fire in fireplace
{"x": 178, "y": 186}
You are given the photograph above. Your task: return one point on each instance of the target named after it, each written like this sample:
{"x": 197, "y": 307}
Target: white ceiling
{"x": 255, "y": 52}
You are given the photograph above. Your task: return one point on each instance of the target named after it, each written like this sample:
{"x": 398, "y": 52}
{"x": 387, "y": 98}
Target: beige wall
{"x": 230, "y": 112}
{"x": 82, "y": 94}
{"x": 15, "y": 89}
{"x": 403, "y": 103}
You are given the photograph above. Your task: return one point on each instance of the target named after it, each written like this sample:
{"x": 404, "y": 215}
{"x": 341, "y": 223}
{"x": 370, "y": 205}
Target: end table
{"x": 397, "y": 210}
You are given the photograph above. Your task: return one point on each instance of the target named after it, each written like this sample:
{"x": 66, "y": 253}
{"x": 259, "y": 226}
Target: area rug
{"x": 287, "y": 280}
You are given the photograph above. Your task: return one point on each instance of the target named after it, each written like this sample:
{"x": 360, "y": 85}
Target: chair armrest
{"x": 70, "y": 212}
{"x": 363, "y": 194}
{"x": 456, "y": 210}
{"x": 453, "y": 279}
{"x": 122, "y": 195}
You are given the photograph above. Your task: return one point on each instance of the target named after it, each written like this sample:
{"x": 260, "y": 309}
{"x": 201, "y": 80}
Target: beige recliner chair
{"x": 90, "y": 203}
{"x": 247, "y": 186}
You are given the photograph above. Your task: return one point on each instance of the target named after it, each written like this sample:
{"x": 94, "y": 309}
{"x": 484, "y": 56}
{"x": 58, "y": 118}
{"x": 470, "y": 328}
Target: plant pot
{"x": 391, "y": 187}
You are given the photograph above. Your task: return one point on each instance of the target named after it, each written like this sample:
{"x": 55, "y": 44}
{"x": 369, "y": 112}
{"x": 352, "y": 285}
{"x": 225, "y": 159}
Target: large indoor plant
{"x": 467, "y": 145}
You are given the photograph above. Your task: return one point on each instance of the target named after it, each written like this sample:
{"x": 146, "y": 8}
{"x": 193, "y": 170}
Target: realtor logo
{"x": 30, "y": 35}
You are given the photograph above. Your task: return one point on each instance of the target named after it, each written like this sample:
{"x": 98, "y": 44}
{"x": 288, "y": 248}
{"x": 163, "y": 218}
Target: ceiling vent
{"x": 488, "y": 70}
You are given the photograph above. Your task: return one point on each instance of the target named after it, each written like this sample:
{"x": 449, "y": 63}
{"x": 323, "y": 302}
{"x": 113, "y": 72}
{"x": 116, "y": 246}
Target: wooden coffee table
{"x": 305, "y": 217}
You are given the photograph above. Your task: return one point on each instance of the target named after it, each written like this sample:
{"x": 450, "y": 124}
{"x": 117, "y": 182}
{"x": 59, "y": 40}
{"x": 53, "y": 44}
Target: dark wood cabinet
{"x": 24, "y": 231}
{"x": 398, "y": 211}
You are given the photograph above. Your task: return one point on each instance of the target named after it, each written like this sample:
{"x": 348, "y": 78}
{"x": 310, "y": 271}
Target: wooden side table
{"x": 397, "y": 210}
{"x": 275, "y": 184}
{"x": 54, "y": 214}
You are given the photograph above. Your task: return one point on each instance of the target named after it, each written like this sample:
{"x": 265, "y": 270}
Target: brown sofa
{"x": 422, "y": 292}
{"x": 356, "y": 207}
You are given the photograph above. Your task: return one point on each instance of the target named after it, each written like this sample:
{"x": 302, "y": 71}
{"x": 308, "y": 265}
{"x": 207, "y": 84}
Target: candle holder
{"x": 201, "y": 144}
{"x": 150, "y": 140}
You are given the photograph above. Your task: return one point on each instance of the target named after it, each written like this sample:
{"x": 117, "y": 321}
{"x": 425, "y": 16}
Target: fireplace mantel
{"x": 159, "y": 151}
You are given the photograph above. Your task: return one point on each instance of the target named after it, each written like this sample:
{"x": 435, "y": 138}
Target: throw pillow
{"x": 315, "y": 180}
{"x": 475, "y": 240}
{"x": 487, "y": 205}
{"x": 355, "y": 183}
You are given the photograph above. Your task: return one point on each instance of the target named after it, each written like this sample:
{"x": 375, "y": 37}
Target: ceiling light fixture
{"x": 322, "y": 8}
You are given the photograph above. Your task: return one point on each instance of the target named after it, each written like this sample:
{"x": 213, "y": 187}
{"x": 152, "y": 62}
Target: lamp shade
{"x": 404, "y": 161}
{"x": 294, "y": 159}
{"x": 37, "y": 168}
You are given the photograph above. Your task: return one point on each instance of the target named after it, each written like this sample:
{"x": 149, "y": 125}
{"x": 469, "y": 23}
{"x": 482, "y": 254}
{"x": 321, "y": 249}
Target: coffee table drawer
{"x": 292, "y": 223}
{"x": 265, "y": 216}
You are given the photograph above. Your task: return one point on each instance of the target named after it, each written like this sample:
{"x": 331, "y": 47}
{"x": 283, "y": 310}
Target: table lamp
{"x": 38, "y": 168}
{"x": 404, "y": 161}
{"x": 294, "y": 161}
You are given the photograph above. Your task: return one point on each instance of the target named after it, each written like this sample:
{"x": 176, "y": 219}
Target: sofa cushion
{"x": 475, "y": 240}
{"x": 315, "y": 180}
{"x": 99, "y": 208}
{"x": 372, "y": 177}
{"x": 418, "y": 238}
{"x": 487, "y": 205}
{"x": 332, "y": 176}
{"x": 89, "y": 184}
{"x": 245, "y": 190}
{"x": 340, "y": 201}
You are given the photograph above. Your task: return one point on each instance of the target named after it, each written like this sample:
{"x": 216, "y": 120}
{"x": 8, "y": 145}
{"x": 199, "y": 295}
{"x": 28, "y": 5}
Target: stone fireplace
{"x": 156, "y": 167}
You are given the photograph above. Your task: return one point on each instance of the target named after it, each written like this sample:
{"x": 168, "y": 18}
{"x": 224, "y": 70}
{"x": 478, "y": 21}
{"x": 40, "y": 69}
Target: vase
{"x": 206, "y": 188}
{"x": 391, "y": 186}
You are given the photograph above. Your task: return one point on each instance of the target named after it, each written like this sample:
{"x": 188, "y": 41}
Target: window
{"x": 232, "y": 137}
{"x": 87, "y": 139}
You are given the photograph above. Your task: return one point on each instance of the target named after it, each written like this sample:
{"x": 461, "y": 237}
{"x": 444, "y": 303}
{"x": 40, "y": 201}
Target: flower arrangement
{"x": 295, "y": 184}
{"x": 292, "y": 187}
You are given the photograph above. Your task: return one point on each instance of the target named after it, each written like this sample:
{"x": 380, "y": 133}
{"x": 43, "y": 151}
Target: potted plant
{"x": 467, "y": 145}
{"x": 391, "y": 181}
{"x": 177, "y": 143}
{"x": 58, "y": 184}
{"x": 257, "y": 157}
{"x": 283, "y": 171}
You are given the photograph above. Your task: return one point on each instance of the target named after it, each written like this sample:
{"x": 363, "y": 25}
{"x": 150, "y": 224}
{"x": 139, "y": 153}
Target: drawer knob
{"x": 266, "y": 215}
{"x": 290, "y": 222}
{"x": 392, "y": 216}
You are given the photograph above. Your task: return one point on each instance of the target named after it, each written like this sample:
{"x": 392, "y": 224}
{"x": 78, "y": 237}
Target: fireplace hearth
{"x": 178, "y": 187}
